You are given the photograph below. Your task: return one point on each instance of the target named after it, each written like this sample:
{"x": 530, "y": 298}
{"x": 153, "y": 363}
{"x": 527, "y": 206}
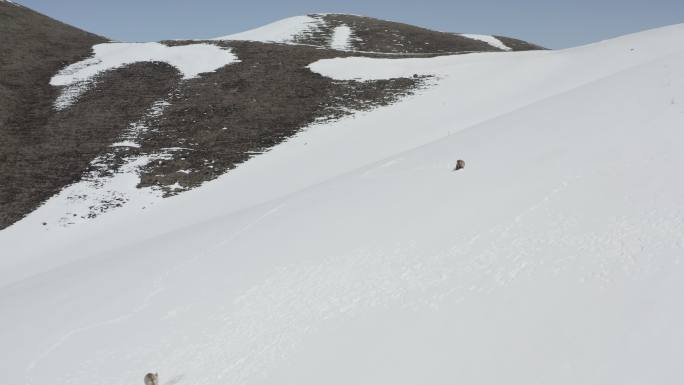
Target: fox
{"x": 459, "y": 164}
{"x": 152, "y": 379}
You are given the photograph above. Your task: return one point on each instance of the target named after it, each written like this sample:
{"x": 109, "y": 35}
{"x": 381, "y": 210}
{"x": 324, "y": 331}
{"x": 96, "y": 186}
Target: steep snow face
{"x": 281, "y": 31}
{"x": 491, "y": 40}
{"x": 190, "y": 60}
{"x": 353, "y": 251}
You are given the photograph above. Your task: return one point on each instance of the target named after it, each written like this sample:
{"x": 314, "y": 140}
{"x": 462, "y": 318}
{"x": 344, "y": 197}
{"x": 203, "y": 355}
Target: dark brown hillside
{"x": 32, "y": 48}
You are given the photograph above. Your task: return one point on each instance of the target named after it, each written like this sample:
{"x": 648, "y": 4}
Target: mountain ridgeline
{"x": 181, "y": 131}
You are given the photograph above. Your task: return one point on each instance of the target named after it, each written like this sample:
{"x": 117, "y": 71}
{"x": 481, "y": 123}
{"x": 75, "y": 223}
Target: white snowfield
{"x": 491, "y": 40}
{"x": 353, "y": 253}
{"x": 191, "y": 60}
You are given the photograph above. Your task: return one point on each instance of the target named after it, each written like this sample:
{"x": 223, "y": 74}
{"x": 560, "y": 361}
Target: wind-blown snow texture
{"x": 352, "y": 253}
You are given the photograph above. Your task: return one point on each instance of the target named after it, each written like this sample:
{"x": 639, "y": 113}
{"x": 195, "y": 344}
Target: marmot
{"x": 152, "y": 379}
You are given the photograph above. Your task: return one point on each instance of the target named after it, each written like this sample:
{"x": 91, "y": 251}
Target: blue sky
{"x": 552, "y": 23}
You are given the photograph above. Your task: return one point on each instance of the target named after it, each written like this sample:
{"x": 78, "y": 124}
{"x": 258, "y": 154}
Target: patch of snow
{"x": 158, "y": 108}
{"x": 171, "y": 149}
{"x": 190, "y": 60}
{"x": 137, "y": 129}
{"x": 96, "y": 194}
{"x": 491, "y": 40}
{"x": 101, "y": 190}
{"x": 341, "y": 38}
{"x": 281, "y": 31}
{"x": 125, "y": 143}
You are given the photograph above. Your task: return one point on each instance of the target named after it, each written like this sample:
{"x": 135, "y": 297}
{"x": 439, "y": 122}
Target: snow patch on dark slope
{"x": 189, "y": 60}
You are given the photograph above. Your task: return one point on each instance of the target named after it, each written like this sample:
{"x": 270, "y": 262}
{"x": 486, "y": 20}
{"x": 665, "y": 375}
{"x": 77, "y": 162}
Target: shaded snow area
{"x": 190, "y": 60}
{"x": 352, "y": 253}
{"x": 341, "y": 38}
{"x": 281, "y": 31}
{"x": 491, "y": 40}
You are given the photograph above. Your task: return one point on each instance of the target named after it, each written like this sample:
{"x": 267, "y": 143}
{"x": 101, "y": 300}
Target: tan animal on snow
{"x": 152, "y": 379}
{"x": 459, "y": 164}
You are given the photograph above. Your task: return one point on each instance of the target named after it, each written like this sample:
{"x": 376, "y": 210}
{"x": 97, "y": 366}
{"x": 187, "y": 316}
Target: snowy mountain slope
{"x": 471, "y": 89}
{"x": 175, "y": 114}
{"x": 76, "y": 133}
{"x": 91, "y": 113}
{"x": 341, "y": 256}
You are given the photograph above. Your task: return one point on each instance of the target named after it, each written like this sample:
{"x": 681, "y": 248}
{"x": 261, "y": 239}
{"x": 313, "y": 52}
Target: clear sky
{"x": 551, "y": 23}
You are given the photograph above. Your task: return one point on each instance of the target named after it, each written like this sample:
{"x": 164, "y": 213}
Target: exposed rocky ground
{"x": 36, "y": 158}
{"x": 192, "y": 130}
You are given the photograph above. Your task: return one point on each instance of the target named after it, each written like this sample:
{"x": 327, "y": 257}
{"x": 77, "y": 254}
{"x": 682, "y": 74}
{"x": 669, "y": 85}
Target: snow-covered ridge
{"x": 191, "y": 60}
{"x": 281, "y": 31}
{"x": 491, "y": 40}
